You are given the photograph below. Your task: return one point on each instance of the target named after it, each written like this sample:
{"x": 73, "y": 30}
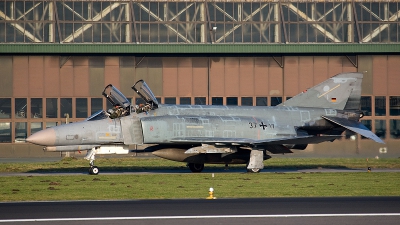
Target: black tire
{"x": 255, "y": 170}
{"x": 196, "y": 167}
{"x": 93, "y": 170}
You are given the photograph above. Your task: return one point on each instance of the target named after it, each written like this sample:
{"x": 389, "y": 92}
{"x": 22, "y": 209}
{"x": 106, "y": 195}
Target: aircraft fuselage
{"x": 173, "y": 121}
{"x": 168, "y": 122}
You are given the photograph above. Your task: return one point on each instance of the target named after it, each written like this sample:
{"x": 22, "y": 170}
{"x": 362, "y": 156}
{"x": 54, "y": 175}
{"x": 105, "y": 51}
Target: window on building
{"x": 247, "y": 101}
{"x": 139, "y": 101}
{"x": 5, "y": 108}
{"x": 200, "y": 101}
{"x": 261, "y": 101}
{"x": 96, "y": 104}
{"x": 395, "y": 129}
{"x": 394, "y": 105}
{"x": 109, "y": 105}
{"x": 185, "y": 100}
{"x": 51, "y": 107}
{"x": 5, "y": 132}
{"x": 36, "y": 108}
{"x": 217, "y": 101}
{"x": 20, "y": 107}
{"x": 81, "y": 109}
{"x": 21, "y": 131}
{"x": 170, "y": 100}
{"x": 66, "y": 107}
{"x": 366, "y": 106}
{"x": 51, "y": 124}
{"x": 367, "y": 124}
{"x": 276, "y": 101}
{"x": 380, "y": 106}
{"x": 35, "y": 127}
{"x": 380, "y": 128}
{"x": 131, "y": 100}
{"x": 231, "y": 101}
{"x": 287, "y": 98}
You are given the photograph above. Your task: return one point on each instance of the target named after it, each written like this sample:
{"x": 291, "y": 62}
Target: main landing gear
{"x": 93, "y": 170}
{"x": 255, "y": 164}
{"x": 254, "y": 170}
{"x": 196, "y": 167}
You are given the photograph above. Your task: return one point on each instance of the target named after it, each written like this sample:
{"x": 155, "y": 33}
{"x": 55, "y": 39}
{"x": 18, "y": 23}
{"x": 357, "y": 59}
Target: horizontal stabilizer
{"x": 354, "y": 126}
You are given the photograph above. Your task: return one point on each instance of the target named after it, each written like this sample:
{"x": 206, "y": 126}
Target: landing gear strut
{"x": 196, "y": 167}
{"x": 255, "y": 164}
{"x": 93, "y": 170}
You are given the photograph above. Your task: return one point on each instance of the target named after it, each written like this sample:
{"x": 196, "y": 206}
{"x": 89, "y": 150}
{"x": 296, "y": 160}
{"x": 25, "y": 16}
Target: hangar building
{"x": 57, "y": 56}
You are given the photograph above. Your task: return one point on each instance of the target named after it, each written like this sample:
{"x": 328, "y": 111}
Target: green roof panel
{"x": 197, "y": 48}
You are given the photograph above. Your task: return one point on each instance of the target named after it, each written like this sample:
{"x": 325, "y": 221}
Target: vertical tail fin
{"x": 341, "y": 92}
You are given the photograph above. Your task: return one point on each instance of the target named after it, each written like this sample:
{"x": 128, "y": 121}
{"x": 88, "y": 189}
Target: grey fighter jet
{"x": 199, "y": 134}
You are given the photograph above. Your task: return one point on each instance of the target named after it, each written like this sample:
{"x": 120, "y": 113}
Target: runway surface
{"x": 342, "y": 210}
{"x": 187, "y": 171}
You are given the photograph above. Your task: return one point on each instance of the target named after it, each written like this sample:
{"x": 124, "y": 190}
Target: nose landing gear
{"x": 93, "y": 170}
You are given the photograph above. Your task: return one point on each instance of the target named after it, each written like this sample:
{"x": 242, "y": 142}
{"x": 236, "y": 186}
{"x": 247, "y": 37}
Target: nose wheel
{"x": 93, "y": 170}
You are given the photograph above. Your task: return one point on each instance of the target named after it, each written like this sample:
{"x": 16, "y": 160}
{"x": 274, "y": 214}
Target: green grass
{"x": 171, "y": 186}
{"x": 137, "y": 164}
{"x": 39, "y": 187}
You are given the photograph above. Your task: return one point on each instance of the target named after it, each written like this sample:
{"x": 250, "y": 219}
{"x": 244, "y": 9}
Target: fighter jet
{"x": 199, "y": 134}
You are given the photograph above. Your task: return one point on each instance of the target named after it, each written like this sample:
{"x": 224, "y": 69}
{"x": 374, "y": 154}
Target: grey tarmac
{"x": 181, "y": 171}
{"x": 336, "y": 210}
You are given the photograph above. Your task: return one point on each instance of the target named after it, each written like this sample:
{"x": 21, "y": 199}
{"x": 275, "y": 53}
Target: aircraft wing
{"x": 310, "y": 139}
{"x": 211, "y": 140}
{"x": 245, "y": 141}
{"x": 354, "y": 126}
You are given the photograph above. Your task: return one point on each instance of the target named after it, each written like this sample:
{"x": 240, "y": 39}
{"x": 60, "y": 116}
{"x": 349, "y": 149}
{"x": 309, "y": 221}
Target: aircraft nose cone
{"x": 45, "y": 137}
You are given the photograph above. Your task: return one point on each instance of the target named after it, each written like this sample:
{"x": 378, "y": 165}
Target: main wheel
{"x": 254, "y": 170}
{"x": 196, "y": 167}
{"x": 93, "y": 170}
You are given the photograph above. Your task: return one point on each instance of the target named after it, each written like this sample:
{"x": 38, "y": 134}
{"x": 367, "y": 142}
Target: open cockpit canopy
{"x": 145, "y": 93}
{"x": 115, "y": 97}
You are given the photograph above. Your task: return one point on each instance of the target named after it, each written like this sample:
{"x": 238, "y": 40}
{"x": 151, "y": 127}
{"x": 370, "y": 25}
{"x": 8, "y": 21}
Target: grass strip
{"x": 138, "y": 164}
{"x": 181, "y": 186}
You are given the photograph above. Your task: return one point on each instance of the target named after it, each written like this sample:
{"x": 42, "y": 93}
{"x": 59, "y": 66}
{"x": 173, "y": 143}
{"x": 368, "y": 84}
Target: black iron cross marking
{"x": 263, "y": 125}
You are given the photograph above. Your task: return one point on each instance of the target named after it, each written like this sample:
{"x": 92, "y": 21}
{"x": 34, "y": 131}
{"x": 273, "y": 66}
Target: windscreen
{"x": 99, "y": 115}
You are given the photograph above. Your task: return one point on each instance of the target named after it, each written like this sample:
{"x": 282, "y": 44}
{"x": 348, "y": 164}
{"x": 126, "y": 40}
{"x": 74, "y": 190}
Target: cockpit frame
{"x": 145, "y": 93}
{"x": 122, "y": 106}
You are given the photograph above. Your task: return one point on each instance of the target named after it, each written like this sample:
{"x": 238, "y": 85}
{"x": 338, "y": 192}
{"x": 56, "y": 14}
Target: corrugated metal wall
{"x": 41, "y": 76}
